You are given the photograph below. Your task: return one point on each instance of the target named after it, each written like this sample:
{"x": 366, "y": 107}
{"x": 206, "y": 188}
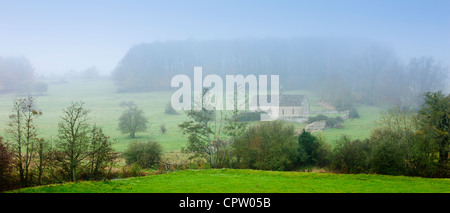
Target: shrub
{"x": 223, "y": 153}
{"x": 248, "y": 116}
{"x": 170, "y": 110}
{"x": 6, "y": 167}
{"x": 163, "y": 128}
{"x": 317, "y": 118}
{"x": 324, "y": 154}
{"x": 351, "y": 156}
{"x": 133, "y": 170}
{"x": 353, "y": 113}
{"x": 308, "y": 148}
{"x": 389, "y": 151}
{"x": 330, "y": 122}
{"x": 144, "y": 154}
{"x": 267, "y": 146}
{"x": 422, "y": 160}
{"x": 334, "y": 122}
{"x": 313, "y": 150}
{"x": 388, "y": 158}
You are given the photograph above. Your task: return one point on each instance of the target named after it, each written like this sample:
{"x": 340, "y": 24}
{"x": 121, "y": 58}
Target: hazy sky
{"x": 60, "y": 35}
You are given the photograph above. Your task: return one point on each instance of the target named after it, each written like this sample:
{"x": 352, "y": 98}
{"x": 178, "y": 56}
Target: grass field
{"x": 252, "y": 181}
{"x": 355, "y": 128}
{"x": 101, "y": 99}
{"x": 103, "y": 102}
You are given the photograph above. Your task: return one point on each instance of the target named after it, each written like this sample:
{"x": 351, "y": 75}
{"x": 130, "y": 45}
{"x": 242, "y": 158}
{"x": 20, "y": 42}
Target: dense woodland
{"x": 342, "y": 71}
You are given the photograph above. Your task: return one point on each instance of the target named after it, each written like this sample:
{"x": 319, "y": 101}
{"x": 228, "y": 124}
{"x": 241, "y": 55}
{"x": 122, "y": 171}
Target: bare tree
{"x": 425, "y": 75}
{"x": 101, "y": 153}
{"x": 23, "y": 135}
{"x": 82, "y": 147}
{"x": 73, "y": 133}
{"x": 204, "y": 130}
{"x": 376, "y": 60}
{"x": 42, "y": 151}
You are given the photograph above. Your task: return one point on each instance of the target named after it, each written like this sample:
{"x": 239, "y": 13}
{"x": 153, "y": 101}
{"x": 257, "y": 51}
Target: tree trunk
{"x": 73, "y": 174}
{"x": 443, "y": 156}
{"x": 443, "y": 153}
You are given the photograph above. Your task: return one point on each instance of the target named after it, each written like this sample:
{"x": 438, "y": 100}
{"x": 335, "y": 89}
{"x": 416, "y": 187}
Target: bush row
{"x": 275, "y": 146}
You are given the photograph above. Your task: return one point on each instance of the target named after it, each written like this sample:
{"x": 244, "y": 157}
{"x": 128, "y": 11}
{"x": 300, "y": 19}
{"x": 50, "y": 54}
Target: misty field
{"x": 104, "y": 105}
{"x": 103, "y": 101}
{"x": 252, "y": 181}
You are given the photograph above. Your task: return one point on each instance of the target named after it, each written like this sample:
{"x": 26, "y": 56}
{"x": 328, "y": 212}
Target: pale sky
{"x": 57, "y": 36}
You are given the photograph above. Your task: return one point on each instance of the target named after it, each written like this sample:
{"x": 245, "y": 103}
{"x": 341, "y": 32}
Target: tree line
{"x": 81, "y": 150}
{"x": 341, "y": 71}
{"x": 18, "y": 76}
{"x": 409, "y": 142}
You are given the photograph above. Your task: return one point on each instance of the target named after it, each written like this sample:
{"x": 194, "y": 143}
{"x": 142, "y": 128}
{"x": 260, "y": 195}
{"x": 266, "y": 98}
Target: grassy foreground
{"x": 253, "y": 181}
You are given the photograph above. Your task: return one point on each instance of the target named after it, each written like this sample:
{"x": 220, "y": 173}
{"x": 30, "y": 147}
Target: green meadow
{"x": 104, "y": 105}
{"x": 252, "y": 181}
{"x": 355, "y": 128}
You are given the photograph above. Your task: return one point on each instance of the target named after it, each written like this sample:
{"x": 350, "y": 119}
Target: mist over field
{"x": 87, "y": 91}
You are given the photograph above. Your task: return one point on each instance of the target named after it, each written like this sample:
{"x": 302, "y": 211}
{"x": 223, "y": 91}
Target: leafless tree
{"x": 23, "y": 135}
{"x": 425, "y": 75}
{"x": 73, "y": 133}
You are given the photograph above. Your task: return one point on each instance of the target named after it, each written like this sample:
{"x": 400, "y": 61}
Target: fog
{"x": 111, "y": 89}
{"x": 58, "y": 37}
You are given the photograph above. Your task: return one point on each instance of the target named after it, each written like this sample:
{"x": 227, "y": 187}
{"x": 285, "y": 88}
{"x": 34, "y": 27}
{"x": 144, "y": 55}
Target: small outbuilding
{"x": 293, "y": 106}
